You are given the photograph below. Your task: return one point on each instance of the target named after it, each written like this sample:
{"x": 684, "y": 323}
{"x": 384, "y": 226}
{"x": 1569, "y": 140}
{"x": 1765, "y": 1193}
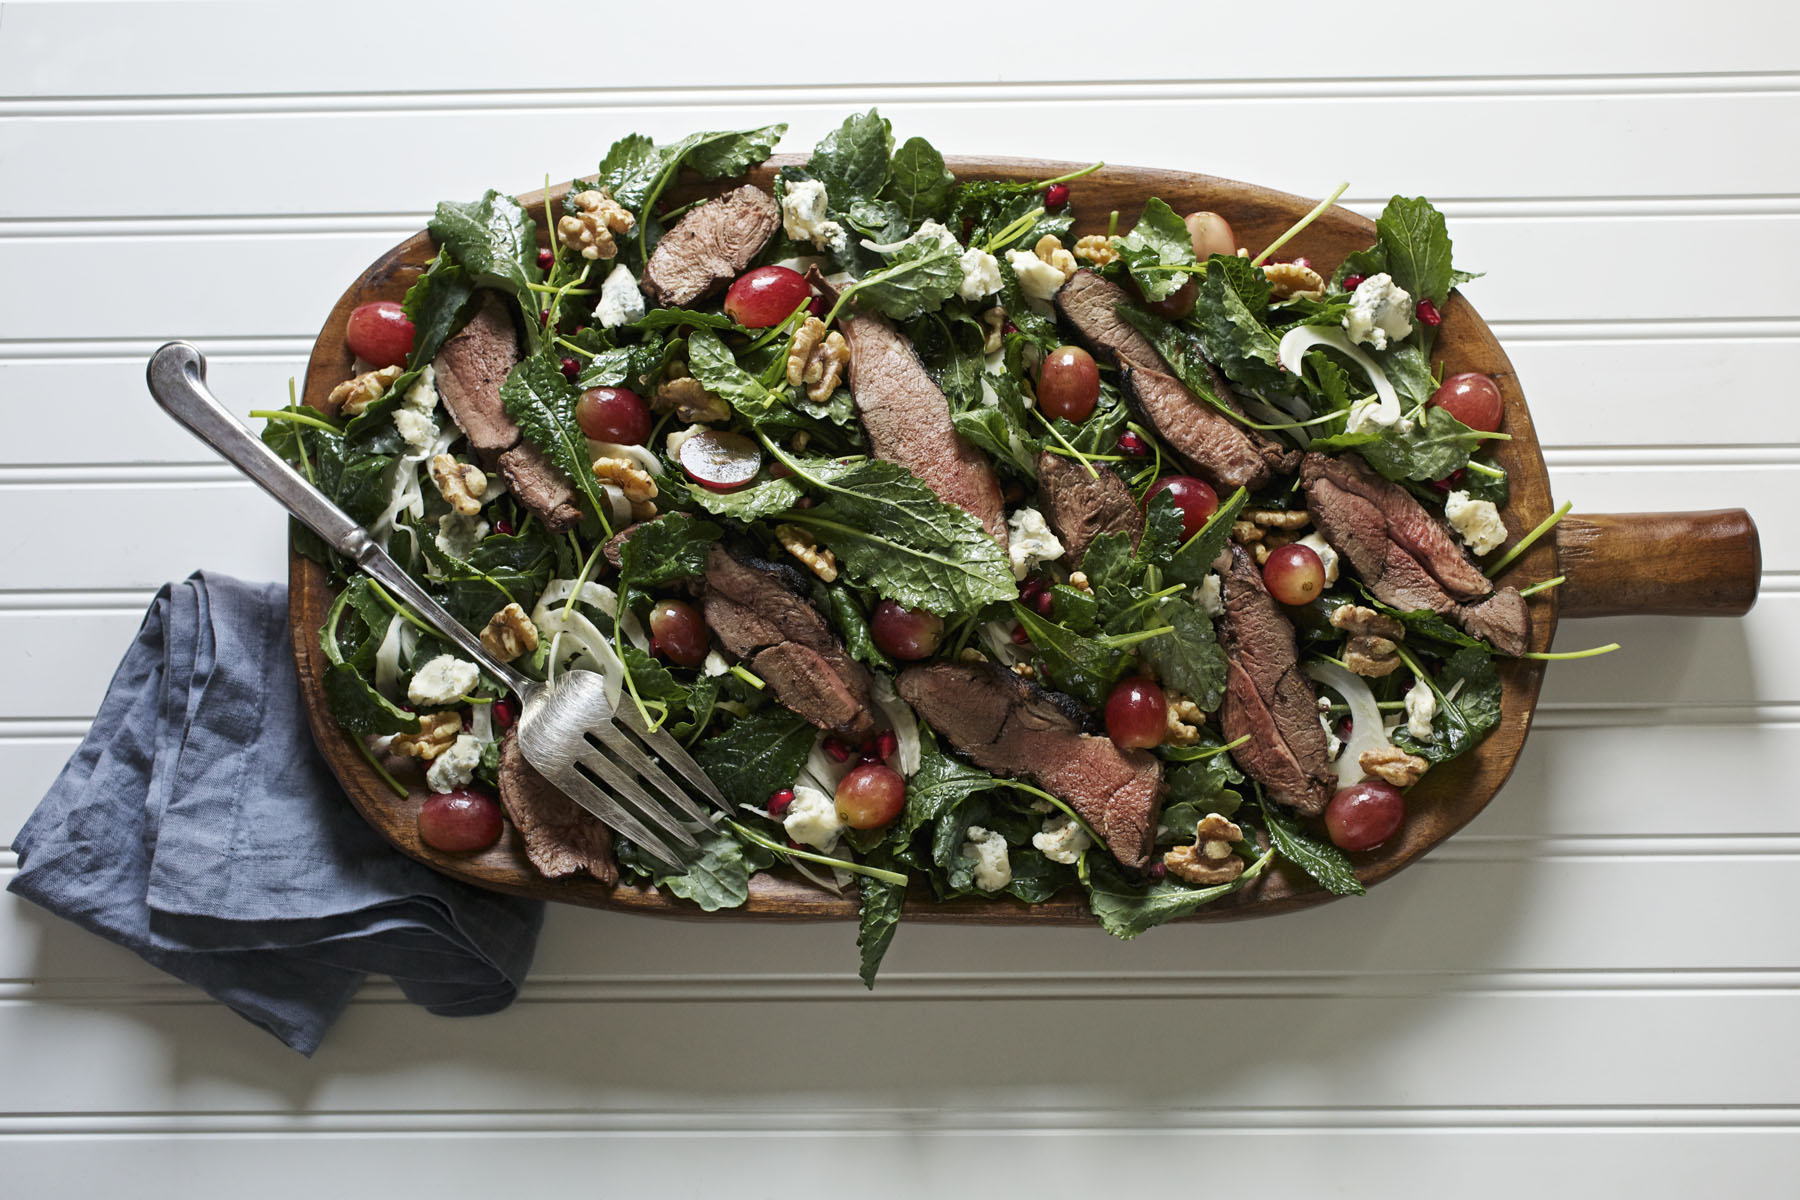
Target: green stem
{"x": 566, "y": 289}
{"x": 1559, "y": 656}
{"x": 1041, "y": 794}
{"x": 1071, "y": 177}
{"x": 1120, "y": 640}
{"x": 1152, "y": 598}
{"x": 276, "y": 414}
{"x": 1484, "y": 469}
{"x": 1525, "y": 543}
{"x": 1302, "y": 223}
{"x": 1545, "y": 586}
{"x": 411, "y": 617}
{"x": 581, "y": 579}
{"x": 368, "y": 757}
{"x": 842, "y": 864}
{"x": 749, "y": 677}
{"x": 1092, "y": 471}
{"x": 572, "y": 348}
{"x": 1013, "y": 231}
{"x": 1112, "y": 224}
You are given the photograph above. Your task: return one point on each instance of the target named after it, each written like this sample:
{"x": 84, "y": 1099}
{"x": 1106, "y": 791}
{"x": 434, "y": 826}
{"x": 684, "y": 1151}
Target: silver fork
{"x": 599, "y": 757}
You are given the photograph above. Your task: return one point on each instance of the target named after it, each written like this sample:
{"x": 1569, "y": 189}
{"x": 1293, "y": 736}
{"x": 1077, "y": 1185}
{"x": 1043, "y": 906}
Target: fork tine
{"x": 675, "y": 755}
{"x": 617, "y": 816}
{"x": 622, "y": 781}
{"x": 621, "y": 744}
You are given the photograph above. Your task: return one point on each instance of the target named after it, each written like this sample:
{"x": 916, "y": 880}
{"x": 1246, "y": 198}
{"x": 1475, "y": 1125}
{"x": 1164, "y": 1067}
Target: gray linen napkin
{"x": 198, "y": 826}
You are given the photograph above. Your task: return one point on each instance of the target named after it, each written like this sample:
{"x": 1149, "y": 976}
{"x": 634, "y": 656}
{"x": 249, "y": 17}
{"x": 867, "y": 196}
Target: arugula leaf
{"x": 878, "y": 914}
{"x": 853, "y": 159}
{"x": 1159, "y": 239}
{"x": 1463, "y": 721}
{"x": 1323, "y": 861}
{"x": 1234, "y": 296}
{"x": 1086, "y": 668}
{"x": 495, "y": 241}
{"x": 670, "y": 547}
{"x": 1163, "y": 527}
{"x": 853, "y": 627}
{"x": 542, "y": 402}
{"x": 1126, "y": 908}
{"x": 939, "y": 785}
{"x": 1190, "y": 660}
{"x": 1194, "y": 558}
{"x": 756, "y": 755}
{"x": 918, "y": 181}
{"x": 437, "y": 304}
{"x": 1415, "y": 245}
{"x": 770, "y": 498}
{"x": 892, "y": 533}
{"x": 918, "y": 278}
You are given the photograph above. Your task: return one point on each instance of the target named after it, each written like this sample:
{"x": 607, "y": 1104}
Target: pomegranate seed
{"x": 1044, "y": 602}
{"x": 1428, "y": 314}
{"x": 544, "y": 317}
{"x": 805, "y": 502}
{"x": 780, "y": 470}
{"x": 1302, "y": 262}
{"x": 579, "y": 328}
{"x": 503, "y": 527}
{"x": 1156, "y": 870}
{"x": 1451, "y": 481}
{"x": 888, "y": 743}
{"x": 793, "y": 845}
{"x": 838, "y": 751}
{"x": 1034, "y": 587}
{"x": 1055, "y": 196}
{"x": 1352, "y": 282}
{"x": 570, "y": 369}
{"x": 779, "y": 801}
{"x": 1344, "y": 726}
{"x": 1009, "y": 327}
{"x": 468, "y": 718}
{"x": 1020, "y": 637}
{"x": 1130, "y": 443}
{"x": 545, "y": 259}
{"x": 817, "y": 307}
{"x": 504, "y": 714}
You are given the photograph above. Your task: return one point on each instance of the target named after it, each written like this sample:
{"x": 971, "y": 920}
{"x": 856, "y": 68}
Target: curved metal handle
{"x": 177, "y": 377}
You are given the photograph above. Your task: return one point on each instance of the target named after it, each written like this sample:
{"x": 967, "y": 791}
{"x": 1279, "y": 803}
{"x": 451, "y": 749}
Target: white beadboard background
{"x": 1593, "y": 989}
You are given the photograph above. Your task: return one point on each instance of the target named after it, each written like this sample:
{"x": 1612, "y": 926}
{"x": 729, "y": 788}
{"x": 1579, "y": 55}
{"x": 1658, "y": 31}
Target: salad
{"x": 964, "y": 553}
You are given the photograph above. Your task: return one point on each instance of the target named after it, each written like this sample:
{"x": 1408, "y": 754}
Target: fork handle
{"x": 177, "y": 377}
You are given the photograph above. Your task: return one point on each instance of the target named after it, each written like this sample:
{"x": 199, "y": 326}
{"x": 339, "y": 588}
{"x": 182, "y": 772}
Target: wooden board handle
{"x": 1695, "y": 564}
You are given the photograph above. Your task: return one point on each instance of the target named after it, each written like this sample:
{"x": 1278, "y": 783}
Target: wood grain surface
{"x": 1447, "y": 799}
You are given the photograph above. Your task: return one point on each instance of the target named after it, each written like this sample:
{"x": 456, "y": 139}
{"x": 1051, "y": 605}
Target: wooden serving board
{"x": 1671, "y": 563}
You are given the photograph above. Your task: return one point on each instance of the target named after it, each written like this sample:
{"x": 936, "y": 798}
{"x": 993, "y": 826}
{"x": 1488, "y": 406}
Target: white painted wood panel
{"x": 1592, "y": 984}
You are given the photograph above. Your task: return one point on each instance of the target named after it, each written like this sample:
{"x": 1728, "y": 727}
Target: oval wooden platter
{"x": 1444, "y": 801}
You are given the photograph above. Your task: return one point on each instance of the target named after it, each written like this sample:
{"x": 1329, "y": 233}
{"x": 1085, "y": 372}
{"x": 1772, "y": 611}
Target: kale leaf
{"x": 1463, "y": 720}
{"x": 919, "y": 276}
{"x": 1234, "y": 298}
{"x": 1084, "y": 667}
{"x": 1435, "y": 447}
{"x": 1415, "y": 247}
{"x": 719, "y": 878}
{"x": 1323, "y": 861}
{"x": 670, "y": 547}
{"x": 756, "y": 755}
{"x": 1194, "y": 558}
{"x": 918, "y": 181}
{"x": 1159, "y": 239}
{"x": 939, "y": 785}
{"x": 854, "y": 159}
{"x": 769, "y": 498}
{"x": 853, "y": 627}
{"x": 879, "y": 902}
{"x": 1126, "y": 907}
{"x": 495, "y": 241}
{"x": 437, "y": 304}
{"x": 353, "y": 701}
{"x": 542, "y": 402}
{"x": 1190, "y": 660}
{"x": 636, "y": 170}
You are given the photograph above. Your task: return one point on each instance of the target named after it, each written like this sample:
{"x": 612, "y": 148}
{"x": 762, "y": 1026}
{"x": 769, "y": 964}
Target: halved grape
{"x": 610, "y": 414}
{"x": 678, "y": 632}
{"x": 1194, "y": 497}
{"x": 460, "y": 822}
{"x": 720, "y": 459}
{"x": 870, "y": 796}
{"x": 766, "y": 296}
{"x": 908, "y": 634}
{"x": 1364, "y": 815}
{"x": 379, "y": 333}
{"x": 1068, "y": 384}
{"x": 1472, "y": 398}
{"x": 1211, "y": 234}
{"x": 1294, "y": 574}
{"x": 1137, "y": 714}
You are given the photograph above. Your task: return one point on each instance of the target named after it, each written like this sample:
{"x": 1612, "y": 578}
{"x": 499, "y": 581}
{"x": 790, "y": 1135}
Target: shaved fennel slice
{"x": 387, "y": 659}
{"x": 997, "y": 637}
{"x": 618, "y": 504}
{"x": 906, "y": 726}
{"x": 1366, "y": 729}
{"x": 1297, "y": 341}
{"x": 554, "y": 617}
{"x": 405, "y": 493}
{"x": 639, "y": 456}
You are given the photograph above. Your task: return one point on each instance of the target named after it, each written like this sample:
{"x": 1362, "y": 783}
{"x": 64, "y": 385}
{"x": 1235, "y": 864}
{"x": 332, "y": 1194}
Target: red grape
{"x": 870, "y": 796}
{"x": 1364, "y": 815}
{"x": 1068, "y": 383}
{"x": 459, "y": 822}
{"x": 720, "y": 459}
{"x": 1178, "y": 303}
{"x": 1473, "y": 399}
{"x": 678, "y": 632}
{"x": 1194, "y": 497}
{"x": 766, "y": 296}
{"x": 379, "y": 333}
{"x": 908, "y": 634}
{"x": 1211, "y": 234}
{"x": 1294, "y": 574}
{"x": 1137, "y": 714}
{"x": 610, "y": 414}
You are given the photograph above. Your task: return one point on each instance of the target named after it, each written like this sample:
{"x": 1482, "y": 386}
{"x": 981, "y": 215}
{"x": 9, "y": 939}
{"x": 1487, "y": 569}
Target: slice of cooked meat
{"x": 1080, "y": 506}
{"x": 1012, "y": 727}
{"x": 1282, "y": 458}
{"x": 760, "y": 612}
{"x": 1404, "y": 557}
{"x": 1269, "y": 697}
{"x": 1205, "y": 438}
{"x": 1210, "y": 443}
{"x": 470, "y": 367}
{"x": 561, "y": 837}
{"x": 711, "y": 246}
{"x": 907, "y": 419}
{"x": 542, "y": 488}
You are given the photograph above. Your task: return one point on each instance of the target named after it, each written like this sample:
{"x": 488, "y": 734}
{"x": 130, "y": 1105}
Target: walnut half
{"x": 1393, "y": 764}
{"x": 350, "y": 397}
{"x": 509, "y": 634}
{"x": 438, "y": 731}
{"x": 803, "y": 546}
{"x": 817, "y": 359}
{"x": 590, "y": 232}
{"x": 462, "y": 485}
{"x": 1212, "y": 859}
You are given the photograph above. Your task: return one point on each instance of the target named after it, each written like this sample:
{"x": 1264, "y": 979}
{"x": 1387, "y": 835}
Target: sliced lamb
{"x": 1012, "y": 727}
{"x": 907, "y": 419}
{"x": 1080, "y": 506}
{"x": 470, "y": 368}
{"x": 1405, "y": 557}
{"x": 711, "y": 246}
{"x": 561, "y": 837}
{"x": 1269, "y": 697}
{"x": 1211, "y": 443}
{"x": 761, "y": 614}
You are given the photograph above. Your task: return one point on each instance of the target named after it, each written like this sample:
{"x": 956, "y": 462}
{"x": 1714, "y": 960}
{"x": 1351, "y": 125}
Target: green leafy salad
{"x": 968, "y": 555}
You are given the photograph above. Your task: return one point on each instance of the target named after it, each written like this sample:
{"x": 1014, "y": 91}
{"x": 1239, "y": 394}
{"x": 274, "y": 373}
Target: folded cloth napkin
{"x": 198, "y": 826}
